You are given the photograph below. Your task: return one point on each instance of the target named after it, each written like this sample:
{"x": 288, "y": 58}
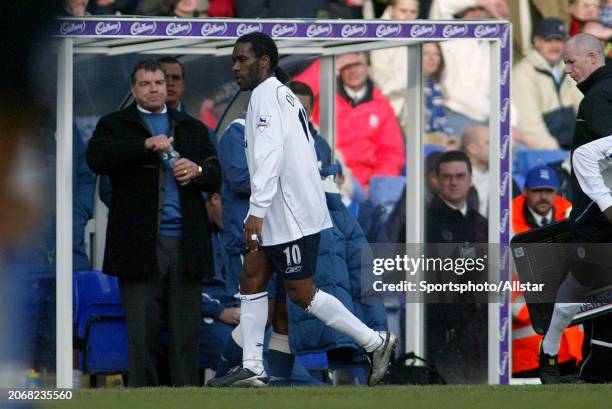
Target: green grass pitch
{"x": 346, "y": 397}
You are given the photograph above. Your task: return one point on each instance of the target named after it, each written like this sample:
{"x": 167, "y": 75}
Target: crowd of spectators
{"x": 175, "y": 8}
{"x": 371, "y": 109}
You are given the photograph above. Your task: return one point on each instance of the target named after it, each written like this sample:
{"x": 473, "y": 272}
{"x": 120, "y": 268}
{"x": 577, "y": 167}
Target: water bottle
{"x": 169, "y": 157}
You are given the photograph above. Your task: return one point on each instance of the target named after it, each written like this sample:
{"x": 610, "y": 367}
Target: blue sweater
{"x": 218, "y": 292}
{"x": 235, "y": 185}
{"x": 171, "y": 224}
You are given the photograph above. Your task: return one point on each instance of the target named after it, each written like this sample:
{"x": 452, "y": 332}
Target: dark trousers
{"x": 167, "y": 298}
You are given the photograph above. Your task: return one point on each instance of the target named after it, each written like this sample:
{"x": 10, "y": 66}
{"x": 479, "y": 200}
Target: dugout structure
{"x": 327, "y": 38}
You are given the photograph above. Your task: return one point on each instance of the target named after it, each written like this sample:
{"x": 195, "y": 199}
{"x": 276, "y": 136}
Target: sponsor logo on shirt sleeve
{"x": 263, "y": 121}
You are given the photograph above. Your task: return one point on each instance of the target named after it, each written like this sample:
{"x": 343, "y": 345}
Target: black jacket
{"x": 449, "y": 234}
{"x": 594, "y": 121}
{"x": 117, "y": 149}
{"x": 447, "y": 225}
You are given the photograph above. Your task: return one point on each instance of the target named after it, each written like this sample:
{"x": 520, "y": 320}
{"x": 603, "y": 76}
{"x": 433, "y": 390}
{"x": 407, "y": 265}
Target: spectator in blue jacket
{"x": 220, "y": 309}
{"x": 83, "y": 185}
{"x": 235, "y": 193}
{"x": 41, "y": 251}
{"x": 358, "y": 258}
{"x": 339, "y": 272}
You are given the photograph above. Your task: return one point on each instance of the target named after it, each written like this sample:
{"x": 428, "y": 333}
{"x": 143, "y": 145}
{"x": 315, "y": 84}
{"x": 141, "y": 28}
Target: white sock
{"x": 335, "y": 315}
{"x": 563, "y": 313}
{"x": 253, "y": 315}
{"x": 237, "y": 335}
{"x": 561, "y": 318}
{"x": 279, "y": 342}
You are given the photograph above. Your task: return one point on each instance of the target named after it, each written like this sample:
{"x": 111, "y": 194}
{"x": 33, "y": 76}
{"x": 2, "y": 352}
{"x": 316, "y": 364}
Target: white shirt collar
{"x": 356, "y": 96}
{"x": 463, "y": 209}
{"x": 557, "y": 72}
{"x": 538, "y": 217}
{"x": 144, "y": 111}
{"x": 270, "y": 78}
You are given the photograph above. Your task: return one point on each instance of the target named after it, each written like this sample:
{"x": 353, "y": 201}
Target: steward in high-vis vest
{"x": 538, "y": 206}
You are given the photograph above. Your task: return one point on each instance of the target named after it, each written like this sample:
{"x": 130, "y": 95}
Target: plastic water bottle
{"x": 169, "y": 157}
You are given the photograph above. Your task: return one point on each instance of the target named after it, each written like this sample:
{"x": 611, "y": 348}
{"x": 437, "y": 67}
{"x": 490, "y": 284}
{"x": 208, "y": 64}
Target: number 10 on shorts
{"x": 294, "y": 259}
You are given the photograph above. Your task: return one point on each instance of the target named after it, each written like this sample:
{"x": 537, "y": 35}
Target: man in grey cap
{"x": 545, "y": 98}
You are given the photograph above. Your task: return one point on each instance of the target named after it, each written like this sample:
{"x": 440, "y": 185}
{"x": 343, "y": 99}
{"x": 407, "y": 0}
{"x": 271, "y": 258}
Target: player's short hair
{"x": 147, "y": 65}
{"x": 300, "y": 88}
{"x": 454, "y": 156}
{"x": 264, "y": 45}
{"x": 172, "y": 60}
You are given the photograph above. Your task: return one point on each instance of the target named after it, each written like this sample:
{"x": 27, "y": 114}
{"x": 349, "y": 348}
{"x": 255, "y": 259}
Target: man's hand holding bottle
{"x": 183, "y": 169}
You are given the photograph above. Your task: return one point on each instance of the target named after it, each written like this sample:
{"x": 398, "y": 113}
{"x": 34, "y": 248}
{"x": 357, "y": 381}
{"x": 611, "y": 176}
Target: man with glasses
{"x": 449, "y": 218}
{"x": 456, "y": 323}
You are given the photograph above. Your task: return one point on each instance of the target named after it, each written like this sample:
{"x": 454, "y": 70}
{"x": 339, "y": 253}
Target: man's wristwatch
{"x": 200, "y": 171}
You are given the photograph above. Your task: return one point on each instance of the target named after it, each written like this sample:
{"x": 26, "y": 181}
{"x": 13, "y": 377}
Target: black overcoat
{"x": 117, "y": 150}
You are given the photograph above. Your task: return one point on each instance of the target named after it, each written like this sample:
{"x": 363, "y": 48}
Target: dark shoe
{"x": 240, "y": 377}
{"x": 379, "y": 358}
{"x": 549, "y": 368}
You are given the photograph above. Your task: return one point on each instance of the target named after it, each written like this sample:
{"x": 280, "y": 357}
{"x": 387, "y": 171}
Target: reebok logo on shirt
{"x": 294, "y": 269}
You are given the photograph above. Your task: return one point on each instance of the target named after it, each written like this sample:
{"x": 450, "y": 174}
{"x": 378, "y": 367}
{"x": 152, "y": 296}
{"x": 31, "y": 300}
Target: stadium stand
{"x": 527, "y": 159}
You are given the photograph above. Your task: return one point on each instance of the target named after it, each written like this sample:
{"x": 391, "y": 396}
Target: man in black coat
{"x": 457, "y": 324}
{"x": 158, "y": 234}
{"x": 591, "y": 216}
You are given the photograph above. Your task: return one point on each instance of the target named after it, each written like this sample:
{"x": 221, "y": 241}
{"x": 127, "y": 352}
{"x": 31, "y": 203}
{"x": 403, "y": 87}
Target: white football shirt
{"x": 286, "y": 188}
{"x": 592, "y": 164}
